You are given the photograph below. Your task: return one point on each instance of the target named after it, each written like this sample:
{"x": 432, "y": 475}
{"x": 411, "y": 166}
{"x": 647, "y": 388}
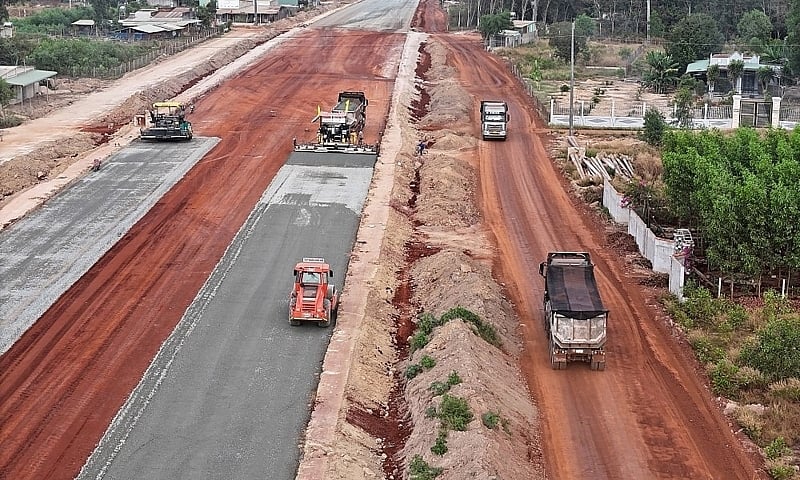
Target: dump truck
{"x": 341, "y": 129}
{"x": 313, "y": 298}
{"x": 167, "y": 121}
{"x": 494, "y": 119}
{"x": 574, "y": 316}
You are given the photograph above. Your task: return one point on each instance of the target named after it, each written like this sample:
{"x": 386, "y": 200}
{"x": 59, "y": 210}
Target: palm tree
{"x": 662, "y": 73}
{"x": 735, "y": 70}
{"x": 765, "y": 75}
{"x": 712, "y": 75}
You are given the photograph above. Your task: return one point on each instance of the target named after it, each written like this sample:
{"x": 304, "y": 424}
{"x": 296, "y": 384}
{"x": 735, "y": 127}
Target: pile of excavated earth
{"x": 436, "y": 257}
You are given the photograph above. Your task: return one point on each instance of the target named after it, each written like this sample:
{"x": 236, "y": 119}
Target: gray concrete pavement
{"x": 44, "y": 253}
{"x": 228, "y": 395}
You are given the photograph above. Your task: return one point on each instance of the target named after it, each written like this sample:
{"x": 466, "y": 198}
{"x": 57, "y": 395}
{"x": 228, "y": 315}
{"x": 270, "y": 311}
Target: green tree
{"x": 793, "y": 36}
{"x": 561, "y": 38}
{"x": 775, "y": 351}
{"x": 662, "y": 73}
{"x": 104, "y": 12}
{"x": 6, "y": 95}
{"x": 712, "y": 75}
{"x": 735, "y": 70}
{"x": 765, "y": 75}
{"x": 493, "y": 24}
{"x": 654, "y": 127}
{"x": 684, "y": 107}
{"x": 695, "y": 37}
{"x": 585, "y": 25}
{"x": 754, "y": 24}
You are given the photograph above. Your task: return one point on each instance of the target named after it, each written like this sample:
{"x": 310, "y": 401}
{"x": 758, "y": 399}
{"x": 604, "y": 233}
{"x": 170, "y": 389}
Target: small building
{"x": 25, "y": 81}
{"x": 83, "y": 27}
{"x": 7, "y": 30}
{"x": 154, "y": 24}
{"x": 747, "y": 84}
{"x": 247, "y": 12}
{"x": 526, "y": 29}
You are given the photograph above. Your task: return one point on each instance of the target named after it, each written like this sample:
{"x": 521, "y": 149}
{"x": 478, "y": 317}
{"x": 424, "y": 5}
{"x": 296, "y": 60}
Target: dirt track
{"x": 647, "y": 415}
{"x": 84, "y": 356}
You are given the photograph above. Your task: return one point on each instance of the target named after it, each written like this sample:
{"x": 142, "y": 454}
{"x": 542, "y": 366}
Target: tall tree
{"x": 492, "y": 24}
{"x": 712, "y": 75}
{"x": 754, "y": 24}
{"x": 561, "y": 38}
{"x": 695, "y": 37}
{"x": 662, "y": 73}
{"x": 793, "y": 36}
{"x": 735, "y": 71}
{"x": 6, "y": 95}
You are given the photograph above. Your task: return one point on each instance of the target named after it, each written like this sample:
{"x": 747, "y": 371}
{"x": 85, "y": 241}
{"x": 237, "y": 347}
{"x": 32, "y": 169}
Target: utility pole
{"x": 571, "y": 78}
{"x": 647, "y": 42}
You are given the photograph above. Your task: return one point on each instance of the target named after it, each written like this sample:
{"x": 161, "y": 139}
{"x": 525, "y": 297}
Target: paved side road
{"x": 228, "y": 395}
{"x": 43, "y": 254}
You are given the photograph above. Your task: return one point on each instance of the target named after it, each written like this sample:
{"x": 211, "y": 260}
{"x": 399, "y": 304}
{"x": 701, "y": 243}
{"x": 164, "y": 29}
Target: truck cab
{"x": 494, "y": 119}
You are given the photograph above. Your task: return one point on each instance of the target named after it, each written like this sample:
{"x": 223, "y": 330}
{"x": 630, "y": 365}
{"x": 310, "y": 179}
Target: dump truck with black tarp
{"x": 574, "y": 316}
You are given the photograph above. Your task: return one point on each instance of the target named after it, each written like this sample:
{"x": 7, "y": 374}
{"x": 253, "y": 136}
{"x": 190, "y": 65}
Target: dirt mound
{"x": 47, "y": 162}
{"x": 445, "y": 198}
{"x": 450, "y": 104}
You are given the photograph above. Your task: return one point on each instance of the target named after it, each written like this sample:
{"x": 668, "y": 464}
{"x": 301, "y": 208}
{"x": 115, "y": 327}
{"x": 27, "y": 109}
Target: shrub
{"x": 413, "y": 370}
{"x": 485, "y": 330}
{"x": 775, "y": 351}
{"x": 723, "y": 378}
{"x": 427, "y": 362}
{"x": 751, "y": 422}
{"x": 777, "y": 448}
{"x": 654, "y": 127}
{"x": 564, "y": 88}
{"x": 420, "y": 470}
{"x": 490, "y": 420}
{"x": 440, "y": 447}
{"x": 748, "y": 377}
{"x": 704, "y": 348}
{"x": 430, "y": 412}
{"x": 439, "y": 388}
{"x": 788, "y": 388}
{"x": 454, "y": 413}
{"x": 779, "y": 470}
{"x": 419, "y": 340}
{"x": 453, "y": 378}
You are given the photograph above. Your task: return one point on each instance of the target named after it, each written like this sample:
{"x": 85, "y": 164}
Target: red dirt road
{"x": 648, "y": 415}
{"x": 63, "y": 381}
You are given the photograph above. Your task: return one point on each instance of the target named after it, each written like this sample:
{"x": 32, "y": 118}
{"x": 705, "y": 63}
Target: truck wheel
{"x": 599, "y": 366}
{"x": 554, "y": 364}
{"x": 294, "y": 323}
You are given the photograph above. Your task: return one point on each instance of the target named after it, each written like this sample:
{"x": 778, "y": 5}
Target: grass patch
{"x": 420, "y": 470}
{"x": 440, "y": 446}
{"x": 426, "y": 323}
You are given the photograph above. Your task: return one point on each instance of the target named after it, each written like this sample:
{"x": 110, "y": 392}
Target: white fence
{"x": 723, "y": 117}
{"x": 659, "y": 251}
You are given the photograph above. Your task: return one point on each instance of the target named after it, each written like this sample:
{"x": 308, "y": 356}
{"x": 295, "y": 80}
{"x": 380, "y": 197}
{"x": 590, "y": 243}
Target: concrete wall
{"x": 658, "y": 250}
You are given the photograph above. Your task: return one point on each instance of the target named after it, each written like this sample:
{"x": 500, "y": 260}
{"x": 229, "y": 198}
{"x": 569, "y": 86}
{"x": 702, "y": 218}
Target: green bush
{"x": 454, "y": 413}
{"x": 485, "y": 330}
{"x": 723, "y": 376}
{"x": 654, "y": 127}
{"x": 705, "y": 349}
{"x": 430, "y": 412}
{"x": 777, "y": 449}
{"x": 453, "y": 378}
{"x": 440, "y": 447}
{"x": 490, "y": 420}
{"x": 427, "y": 362}
{"x": 779, "y": 470}
{"x": 419, "y": 340}
{"x": 775, "y": 351}
{"x": 10, "y": 121}
{"x": 439, "y": 388}
{"x": 413, "y": 370}
{"x": 420, "y": 470}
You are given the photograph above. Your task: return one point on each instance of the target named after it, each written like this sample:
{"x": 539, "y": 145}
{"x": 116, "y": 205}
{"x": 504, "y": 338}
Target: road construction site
{"x": 173, "y": 357}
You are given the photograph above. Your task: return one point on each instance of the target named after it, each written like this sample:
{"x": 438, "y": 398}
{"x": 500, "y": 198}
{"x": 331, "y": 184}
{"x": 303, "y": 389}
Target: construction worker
{"x": 421, "y": 147}
{"x": 361, "y": 137}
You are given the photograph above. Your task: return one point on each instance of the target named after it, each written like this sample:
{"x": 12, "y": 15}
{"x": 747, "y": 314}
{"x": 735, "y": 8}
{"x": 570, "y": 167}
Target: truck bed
{"x": 573, "y": 291}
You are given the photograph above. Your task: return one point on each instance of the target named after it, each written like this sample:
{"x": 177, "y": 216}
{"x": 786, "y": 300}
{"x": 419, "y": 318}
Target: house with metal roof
{"x": 245, "y": 11}
{"x": 149, "y": 24}
{"x": 84, "y": 26}
{"x": 747, "y": 84}
{"x": 25, "y": 81}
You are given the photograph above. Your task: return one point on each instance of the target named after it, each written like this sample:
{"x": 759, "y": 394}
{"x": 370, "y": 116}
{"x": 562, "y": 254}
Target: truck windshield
{"x": 494, "y": 117}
